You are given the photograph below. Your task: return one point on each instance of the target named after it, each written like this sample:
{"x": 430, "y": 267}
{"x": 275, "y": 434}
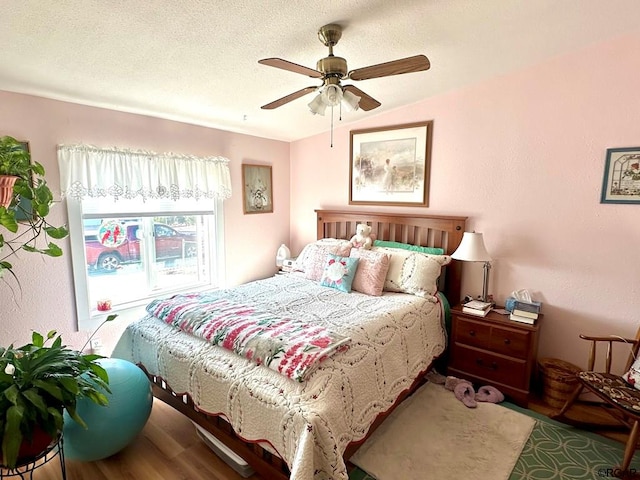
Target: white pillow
{"x": 303, "y": 257}
{"x": 311, "y": 258}
{"x": 633, "y": 375}
{"x": 413, "y": 272}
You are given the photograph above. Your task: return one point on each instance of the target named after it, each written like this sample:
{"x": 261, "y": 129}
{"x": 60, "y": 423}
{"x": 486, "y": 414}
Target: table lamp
{"x": 472, "y": 249}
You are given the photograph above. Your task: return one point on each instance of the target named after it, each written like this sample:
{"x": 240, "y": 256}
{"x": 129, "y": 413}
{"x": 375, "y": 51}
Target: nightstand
{"x": 494, "y": 350}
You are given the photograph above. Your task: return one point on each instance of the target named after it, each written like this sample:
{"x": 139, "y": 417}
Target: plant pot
{"x": 33, "y": 448}
{"x": 39, "y": 442}
{"x": 6, "y": 189}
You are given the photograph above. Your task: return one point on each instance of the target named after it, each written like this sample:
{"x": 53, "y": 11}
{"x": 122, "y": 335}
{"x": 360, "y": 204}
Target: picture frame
{"x": 257, "y": 189}
{"x": 621, "y": 183}
{"x": 391, "y": 165}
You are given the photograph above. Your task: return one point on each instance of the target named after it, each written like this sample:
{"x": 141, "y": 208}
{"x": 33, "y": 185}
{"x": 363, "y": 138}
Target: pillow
{"x": 413, "y": 272}
{"x": 299, "y": 262}
{"x": 303, "y": 257}
{"x": 406, "y": 246}
{"x": 371, "y": 272}
{"x": 633, "y": 375}
{"x": 339, "y": 272}
{"x": 311, "y": 259}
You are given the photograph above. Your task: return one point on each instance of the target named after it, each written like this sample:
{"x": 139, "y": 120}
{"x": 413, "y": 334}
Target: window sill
{"x": 101, "y": 315}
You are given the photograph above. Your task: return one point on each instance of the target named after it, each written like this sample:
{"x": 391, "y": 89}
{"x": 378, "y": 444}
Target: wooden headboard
{"x": 425, "y": 230}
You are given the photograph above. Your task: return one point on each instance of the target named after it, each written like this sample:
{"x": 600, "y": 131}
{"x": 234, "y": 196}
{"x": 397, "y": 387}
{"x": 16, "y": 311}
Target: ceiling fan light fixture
{"x": 350, "y": 101}
{"x": 317, "y": 105}
{"x": 331, "y": 69}
{"x": 332, "y": 95}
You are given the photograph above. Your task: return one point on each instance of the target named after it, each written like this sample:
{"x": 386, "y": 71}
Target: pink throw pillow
{"x": 371, "y": 272}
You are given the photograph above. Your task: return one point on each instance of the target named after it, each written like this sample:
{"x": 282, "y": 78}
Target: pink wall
{"x": 523, "y": 157}
{"x": 47, "y": 298}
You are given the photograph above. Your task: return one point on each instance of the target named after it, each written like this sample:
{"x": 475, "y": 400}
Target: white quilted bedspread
{"x": 309, "y": 424}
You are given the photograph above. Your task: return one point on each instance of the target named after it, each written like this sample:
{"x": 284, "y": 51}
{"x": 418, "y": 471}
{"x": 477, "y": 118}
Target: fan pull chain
{"x": 331, "y": 126}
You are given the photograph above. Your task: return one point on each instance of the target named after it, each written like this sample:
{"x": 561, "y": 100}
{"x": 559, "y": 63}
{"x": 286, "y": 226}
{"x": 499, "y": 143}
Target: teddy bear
{"x": 362, "y": 238}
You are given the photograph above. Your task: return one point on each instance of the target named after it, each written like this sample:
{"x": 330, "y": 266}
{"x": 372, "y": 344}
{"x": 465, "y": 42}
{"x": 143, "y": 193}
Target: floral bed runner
{"x": 291, "y": 347}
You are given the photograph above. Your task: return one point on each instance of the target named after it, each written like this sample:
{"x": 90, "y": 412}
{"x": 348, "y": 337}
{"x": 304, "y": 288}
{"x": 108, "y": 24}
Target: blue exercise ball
{"x": 112, "y": 427}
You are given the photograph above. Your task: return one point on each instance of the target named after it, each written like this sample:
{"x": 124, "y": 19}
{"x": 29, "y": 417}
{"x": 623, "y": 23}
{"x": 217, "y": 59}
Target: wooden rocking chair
{"x": 620, "y": 399}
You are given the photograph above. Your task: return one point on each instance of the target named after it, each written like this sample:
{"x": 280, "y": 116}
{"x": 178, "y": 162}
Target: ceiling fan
{"x": 331, "y": 70}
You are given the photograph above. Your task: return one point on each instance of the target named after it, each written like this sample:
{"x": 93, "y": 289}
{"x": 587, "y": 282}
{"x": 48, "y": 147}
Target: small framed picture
{"x": 621, "y": 182}
{"x": 257, "y": 189}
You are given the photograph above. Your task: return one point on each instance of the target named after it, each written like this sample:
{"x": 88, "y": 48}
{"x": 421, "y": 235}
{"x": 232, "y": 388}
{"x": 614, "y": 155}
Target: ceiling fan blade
{"x": 288, "y": 98}
{"x": 416, "y": 63}
{"x": 366, "y": 102}
{"x": 291, "y": 67}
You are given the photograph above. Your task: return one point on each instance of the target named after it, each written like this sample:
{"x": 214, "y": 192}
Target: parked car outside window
{"x": 118, "y": 243}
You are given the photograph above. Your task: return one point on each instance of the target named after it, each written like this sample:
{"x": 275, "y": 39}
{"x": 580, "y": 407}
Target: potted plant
{"x": 28, "y": 183}
{"x": 15, "y": 164}
{"x": 37, "y": 382}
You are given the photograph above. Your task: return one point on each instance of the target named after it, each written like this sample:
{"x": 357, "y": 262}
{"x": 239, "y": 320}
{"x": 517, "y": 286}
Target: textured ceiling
{"x": 197, "y": 60}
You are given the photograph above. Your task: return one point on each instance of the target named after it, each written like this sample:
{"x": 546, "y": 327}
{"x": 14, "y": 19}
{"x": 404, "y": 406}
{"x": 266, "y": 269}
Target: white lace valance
{"x": 88, "y": 171}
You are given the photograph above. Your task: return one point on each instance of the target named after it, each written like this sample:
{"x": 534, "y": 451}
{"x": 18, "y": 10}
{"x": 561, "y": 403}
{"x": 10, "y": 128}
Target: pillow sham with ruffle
{"x": 413, "y": 272}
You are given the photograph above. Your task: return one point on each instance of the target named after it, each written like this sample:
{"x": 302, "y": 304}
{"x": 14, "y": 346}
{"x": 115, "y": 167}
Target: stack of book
{"x": 525, "y": 312}
{"x": 476, "y": 307}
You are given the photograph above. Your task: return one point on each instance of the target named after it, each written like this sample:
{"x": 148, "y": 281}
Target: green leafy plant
{"x": 37, "y": 382}
{"x": 15, "y": 159}
{"x": 31, "y": 185}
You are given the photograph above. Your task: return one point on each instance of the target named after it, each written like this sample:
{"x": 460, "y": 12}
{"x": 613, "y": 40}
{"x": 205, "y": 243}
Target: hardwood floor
{"x": 584, "y": 412}
{"x": 169, "y": 449}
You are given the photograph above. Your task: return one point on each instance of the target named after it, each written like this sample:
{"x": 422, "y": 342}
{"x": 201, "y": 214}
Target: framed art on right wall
{"x": 621, "y": 182}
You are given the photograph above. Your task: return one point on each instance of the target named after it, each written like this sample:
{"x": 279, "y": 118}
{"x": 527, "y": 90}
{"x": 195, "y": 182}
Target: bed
{"x": 306, "y": 427}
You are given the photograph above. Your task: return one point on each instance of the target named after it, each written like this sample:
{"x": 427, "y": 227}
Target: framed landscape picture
{"x": 621, "y": 182}
{"x": 391, "y": 165}
{"x": 257, "y": 189}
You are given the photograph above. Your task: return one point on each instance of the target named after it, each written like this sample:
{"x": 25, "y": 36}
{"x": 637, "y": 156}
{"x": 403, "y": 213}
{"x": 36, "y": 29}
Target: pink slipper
{"x": 489, "y": 394}
{"x": 451, "y": 382}
{"x": 465, "y": 393}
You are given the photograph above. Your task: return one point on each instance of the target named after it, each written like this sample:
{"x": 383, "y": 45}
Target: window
{"x": 128, "y": 259}
{"x": 144, "y": 242}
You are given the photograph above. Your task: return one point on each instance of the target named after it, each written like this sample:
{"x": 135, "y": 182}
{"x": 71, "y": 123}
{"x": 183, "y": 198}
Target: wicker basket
{"x": 558, "y": 380}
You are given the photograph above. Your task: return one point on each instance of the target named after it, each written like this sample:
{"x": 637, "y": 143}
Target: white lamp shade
{"x": 350, "y": 101}
{"x": 317, "y": 105}
{"x": 471, "y": 249}
{"x": 332, "y": 95}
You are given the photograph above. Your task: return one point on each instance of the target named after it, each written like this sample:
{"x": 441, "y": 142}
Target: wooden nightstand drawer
{"x": 510, "y": 342}
{"x": 483, "y": 364}
{"x": 494, "y": 350}
{"x": 472, "y": 333}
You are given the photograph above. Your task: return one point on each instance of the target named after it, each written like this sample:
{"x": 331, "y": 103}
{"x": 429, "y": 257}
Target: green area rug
{"x": 556, "y": 451}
